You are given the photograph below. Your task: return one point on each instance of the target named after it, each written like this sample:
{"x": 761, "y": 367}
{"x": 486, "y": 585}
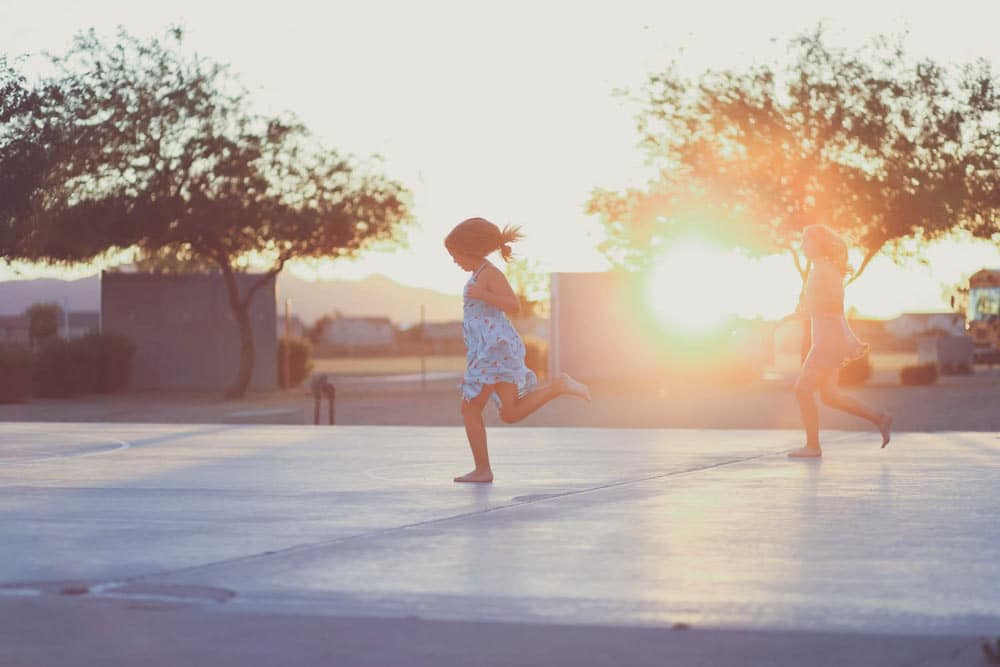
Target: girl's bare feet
{"x": 885, "y": 426}
{"x": 477, "y": 476}
{"x": 575, "y": 387}
{"x": 806, "y": 452}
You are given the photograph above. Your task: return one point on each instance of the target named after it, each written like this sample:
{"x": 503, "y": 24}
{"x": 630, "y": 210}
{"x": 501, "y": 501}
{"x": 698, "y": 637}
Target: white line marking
{"x": 122, "y": 445}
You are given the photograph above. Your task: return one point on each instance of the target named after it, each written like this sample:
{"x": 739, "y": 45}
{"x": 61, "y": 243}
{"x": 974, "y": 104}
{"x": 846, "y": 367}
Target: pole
{"x": 423, "y": 351}
{"x": 331, "y": 396}
{"x": 65, "y": 310}
{"x": 286, "y": 373}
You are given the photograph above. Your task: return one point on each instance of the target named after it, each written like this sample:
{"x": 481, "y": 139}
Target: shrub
{"x": 856, "y": 372}
{"x": 536, "y": 355}
{"x": 65, "y": 368}
{"x": 43, "y": 322}
{"x": 95, "y": 363}
{"x": 15, "y": 373}
{"x": 299, "y": 361}
{"x": 918, "y": 374}
{"x": 115, "y": 354}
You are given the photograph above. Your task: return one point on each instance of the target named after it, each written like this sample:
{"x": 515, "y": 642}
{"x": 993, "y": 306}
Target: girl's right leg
{"x": 805, "y": 390}
{"x": 475, "y": 429}
{"x": 514, "y": 408}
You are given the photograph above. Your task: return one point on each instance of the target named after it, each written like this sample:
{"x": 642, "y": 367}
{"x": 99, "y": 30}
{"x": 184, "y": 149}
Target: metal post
{"x": 318, "y": 383}
{"x": 423, "y": 351}
{"x": 66, "y": 317}
{"x": 321, "y": 388}
{"x": 286, "y": 372}
{"x": 331, "y": 395}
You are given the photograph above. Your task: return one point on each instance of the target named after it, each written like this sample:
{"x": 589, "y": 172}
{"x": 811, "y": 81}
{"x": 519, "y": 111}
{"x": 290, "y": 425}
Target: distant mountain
{"x": 373, "y": 296}
{"x": 17, "y": 295}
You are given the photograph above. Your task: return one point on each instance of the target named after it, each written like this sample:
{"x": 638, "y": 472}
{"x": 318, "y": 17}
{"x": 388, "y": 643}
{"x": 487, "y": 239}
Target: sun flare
{"x": 696, "y": 285}
{"x": 687, "y": 287}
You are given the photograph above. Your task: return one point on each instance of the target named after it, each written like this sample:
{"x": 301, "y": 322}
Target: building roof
{"x": 371, "y": 320}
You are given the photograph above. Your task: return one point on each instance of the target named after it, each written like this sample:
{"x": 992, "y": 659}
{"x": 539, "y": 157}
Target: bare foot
{"x": 806, "y": 452}
{"x": 477, "y": 476}
{"x": 575, "y": 387}
{"x": 885, "y": 426}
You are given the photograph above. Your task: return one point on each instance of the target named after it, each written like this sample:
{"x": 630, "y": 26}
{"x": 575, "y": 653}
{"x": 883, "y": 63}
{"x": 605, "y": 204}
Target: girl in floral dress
{"x": 495, "y": 352}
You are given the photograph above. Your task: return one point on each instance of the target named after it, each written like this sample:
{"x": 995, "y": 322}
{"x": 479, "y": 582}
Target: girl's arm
{"x": 493, "y": 288}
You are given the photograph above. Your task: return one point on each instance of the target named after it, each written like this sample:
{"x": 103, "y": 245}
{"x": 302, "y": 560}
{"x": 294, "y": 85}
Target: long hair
{"x": 828, "y": 245}
{"x": 480, "y": 237}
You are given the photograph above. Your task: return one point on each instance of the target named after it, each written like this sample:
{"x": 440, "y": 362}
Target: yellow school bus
{"x": 982, "y": 316}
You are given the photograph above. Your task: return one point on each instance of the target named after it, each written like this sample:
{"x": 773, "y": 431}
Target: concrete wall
{"x": 909, "y": 325}
{"x": 185, "y": 334}
{"x": 359, "y": 331}
{"x": 597, "y": 330}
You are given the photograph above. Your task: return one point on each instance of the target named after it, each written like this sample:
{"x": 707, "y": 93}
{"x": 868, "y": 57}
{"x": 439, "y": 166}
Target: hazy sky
{"x": 505, "y": 109}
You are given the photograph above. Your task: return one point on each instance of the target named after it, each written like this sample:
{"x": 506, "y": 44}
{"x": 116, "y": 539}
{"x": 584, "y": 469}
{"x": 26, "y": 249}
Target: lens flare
{"x": 696, "y": 286}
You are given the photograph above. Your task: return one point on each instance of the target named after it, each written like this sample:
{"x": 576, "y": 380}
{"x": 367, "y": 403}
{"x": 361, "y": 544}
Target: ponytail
{"x": 479, "y": 236}
{"x": 507, "y": 236}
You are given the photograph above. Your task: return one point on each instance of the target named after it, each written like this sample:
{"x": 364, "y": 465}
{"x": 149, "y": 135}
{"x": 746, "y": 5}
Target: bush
{"x": 536, "y": 355}
{"x": 299, "y": 361}
{"x": 16, "y": 362}
{"x": 95, "y": 363}
{"x": 856, "y": 372}
{"x": 115, "y": 354}
{"x": 65, "y": 368}
{"x": 918, "y": 374}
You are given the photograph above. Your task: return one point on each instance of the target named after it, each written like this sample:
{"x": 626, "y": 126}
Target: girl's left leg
{"x": 829, "y": 393}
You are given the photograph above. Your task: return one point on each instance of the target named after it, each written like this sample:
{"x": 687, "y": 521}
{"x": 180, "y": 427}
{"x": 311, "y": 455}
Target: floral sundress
{"x": 495, "y": 351}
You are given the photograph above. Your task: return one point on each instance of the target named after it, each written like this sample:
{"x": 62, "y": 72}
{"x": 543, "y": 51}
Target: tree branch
{"x": 260, "y": 282}
{"x": 864, "y": 263}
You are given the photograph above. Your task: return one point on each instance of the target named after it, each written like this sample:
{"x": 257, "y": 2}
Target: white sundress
{"x": 834, "y": 344}
{"x": 495, "y": 351}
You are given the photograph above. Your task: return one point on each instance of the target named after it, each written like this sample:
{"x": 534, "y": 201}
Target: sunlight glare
{"x": 696, "y": 285}
{"x": 687, "y": 288}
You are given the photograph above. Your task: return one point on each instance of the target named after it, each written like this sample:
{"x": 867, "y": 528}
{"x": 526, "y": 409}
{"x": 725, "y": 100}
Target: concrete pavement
{"x": 254, "y": 545}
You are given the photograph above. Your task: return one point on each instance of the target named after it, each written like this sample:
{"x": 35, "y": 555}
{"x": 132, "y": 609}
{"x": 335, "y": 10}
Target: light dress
{"x": 833, "y": 342}
{"x": 495, "y": 351}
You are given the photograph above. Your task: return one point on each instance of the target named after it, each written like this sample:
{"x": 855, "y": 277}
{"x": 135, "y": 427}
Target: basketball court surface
{"x": 286, "y": 545}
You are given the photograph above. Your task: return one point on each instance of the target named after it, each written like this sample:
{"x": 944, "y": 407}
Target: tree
{"x": 43, "y": 321}
{"x": 876, "y": 146}
{"x": 26, "y": 143}
{"x": 150, "y": 149}
{"x": 529, "y": 284}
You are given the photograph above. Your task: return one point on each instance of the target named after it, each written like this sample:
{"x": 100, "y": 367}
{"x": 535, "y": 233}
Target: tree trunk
{"x": 247, "y": 354}
{"x": 241, "y": 311}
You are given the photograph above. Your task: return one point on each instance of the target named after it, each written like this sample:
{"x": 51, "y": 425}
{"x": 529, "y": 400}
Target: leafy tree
{"x": 43, "y": 321}
{"x": 315, "y": 333}
{"x": 145, "y": 147}
{"x": 875, "y": 145}
{"x": 529, "y": 284}
{"x": 26, "y": 142}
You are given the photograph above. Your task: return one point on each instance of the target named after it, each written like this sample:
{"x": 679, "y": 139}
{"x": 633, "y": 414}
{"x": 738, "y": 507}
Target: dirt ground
{"x": 955, "y": 403}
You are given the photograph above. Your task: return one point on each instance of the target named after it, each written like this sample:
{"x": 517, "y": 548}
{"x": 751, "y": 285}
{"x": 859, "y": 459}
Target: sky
{"x": 508, "y": 110}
